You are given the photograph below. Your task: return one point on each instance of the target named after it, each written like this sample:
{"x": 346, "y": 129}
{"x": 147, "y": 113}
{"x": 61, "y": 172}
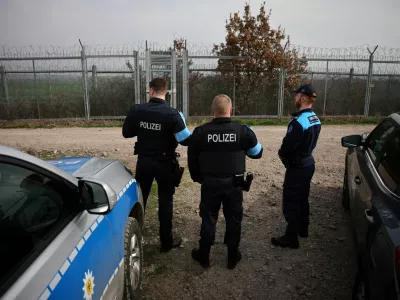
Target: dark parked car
{"x": 371, "y": 192}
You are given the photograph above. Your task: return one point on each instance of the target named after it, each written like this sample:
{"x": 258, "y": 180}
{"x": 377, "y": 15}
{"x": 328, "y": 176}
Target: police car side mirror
{"x": 352, "y": 141}
{"x": 97, "y": 196}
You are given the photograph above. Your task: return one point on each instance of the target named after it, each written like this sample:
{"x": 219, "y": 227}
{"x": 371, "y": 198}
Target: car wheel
{"x": 133, "y": 260}
{"x": 345, "y": 192}
{"x": 360, "y": 287}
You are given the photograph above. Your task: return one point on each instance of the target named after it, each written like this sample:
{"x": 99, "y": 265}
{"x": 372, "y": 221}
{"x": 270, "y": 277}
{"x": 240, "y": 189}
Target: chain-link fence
{"x": 98, "y": 81}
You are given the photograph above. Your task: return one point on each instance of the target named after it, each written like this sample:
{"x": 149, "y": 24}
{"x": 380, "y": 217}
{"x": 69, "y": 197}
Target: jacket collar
{"x": 298, "y": 113}
{"x": 222, "y": 120}
{"x": 158, "y": 100}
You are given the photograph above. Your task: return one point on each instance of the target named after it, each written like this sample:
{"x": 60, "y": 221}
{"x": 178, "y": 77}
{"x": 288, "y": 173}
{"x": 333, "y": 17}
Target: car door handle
{"x": 357, "y": 180}
{"x": 368, "y": 216}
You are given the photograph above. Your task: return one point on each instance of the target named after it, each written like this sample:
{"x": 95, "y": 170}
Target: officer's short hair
{"x": 218, "y": 104}
{"x": 160, "y": 85}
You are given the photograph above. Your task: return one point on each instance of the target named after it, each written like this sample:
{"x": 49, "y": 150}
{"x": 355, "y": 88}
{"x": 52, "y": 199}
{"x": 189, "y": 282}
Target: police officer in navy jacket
{"x": 158, "y": 128}
{"x": 216, "y": 158}
{"x": 296, "y": 154}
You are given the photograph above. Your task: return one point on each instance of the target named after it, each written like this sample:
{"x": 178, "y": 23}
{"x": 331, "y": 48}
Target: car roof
{"x": 17, "y": 154}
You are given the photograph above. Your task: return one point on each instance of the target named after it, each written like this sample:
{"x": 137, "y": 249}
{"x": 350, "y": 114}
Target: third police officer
{"x": 296, "y": 155}
{"x": 216, "y": 158}
{"x": 159, "y": 128}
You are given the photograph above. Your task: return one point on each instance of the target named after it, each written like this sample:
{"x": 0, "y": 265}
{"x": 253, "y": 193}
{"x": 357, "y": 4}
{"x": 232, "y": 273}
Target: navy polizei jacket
{"x": 300, "y": 140}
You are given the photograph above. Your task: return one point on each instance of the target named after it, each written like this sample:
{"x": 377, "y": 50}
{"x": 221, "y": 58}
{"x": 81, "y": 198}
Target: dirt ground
{"x": 324, "y": 266}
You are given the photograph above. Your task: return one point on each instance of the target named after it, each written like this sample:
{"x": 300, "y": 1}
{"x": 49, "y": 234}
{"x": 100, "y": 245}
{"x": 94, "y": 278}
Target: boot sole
{"x": 276, "y": 244}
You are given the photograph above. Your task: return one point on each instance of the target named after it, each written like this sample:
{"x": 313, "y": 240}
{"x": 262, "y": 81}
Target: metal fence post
{"x": 326, "y": 86}
{"x": 35, "y": 82}
{"x": 234, "y": 89}
{"x": 173, "y": 79}
{"x": 94, "y": 77}
{"x": 148, "y": 73}
{"x": 137, "y": 76}
{"x": 185, "y": 85}
{"x": 4, "y": 83}
{"x": 281, "y": 92}
{"x": 85, "y": 84}
{"x": 369, "y": 81}
{"x": 50, "y": 90}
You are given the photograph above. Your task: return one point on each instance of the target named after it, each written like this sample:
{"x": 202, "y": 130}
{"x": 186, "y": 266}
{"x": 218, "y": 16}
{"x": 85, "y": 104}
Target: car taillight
{"x": 397, "y": 264}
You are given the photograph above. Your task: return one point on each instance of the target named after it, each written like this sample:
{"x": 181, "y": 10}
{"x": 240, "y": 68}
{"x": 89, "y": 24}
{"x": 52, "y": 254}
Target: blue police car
{"x": 70, "y": 228}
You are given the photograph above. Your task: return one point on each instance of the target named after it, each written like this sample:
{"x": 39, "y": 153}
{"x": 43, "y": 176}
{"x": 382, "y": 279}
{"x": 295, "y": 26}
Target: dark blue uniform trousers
{"x": 148, "y": 169}
{"x": 214, "y": 192}
{"x": 296, "y": 189}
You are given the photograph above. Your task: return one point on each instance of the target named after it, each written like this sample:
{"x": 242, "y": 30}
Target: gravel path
{"x": 323, "y": 267}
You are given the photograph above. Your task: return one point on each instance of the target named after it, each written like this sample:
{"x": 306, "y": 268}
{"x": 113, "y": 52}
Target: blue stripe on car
{"x": 67, "y": 283}
{"x": 70, "y": 164}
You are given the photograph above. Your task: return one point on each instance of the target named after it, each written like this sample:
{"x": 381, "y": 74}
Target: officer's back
{"x": 159, "y": 128}
{"x": 216, "y": 158}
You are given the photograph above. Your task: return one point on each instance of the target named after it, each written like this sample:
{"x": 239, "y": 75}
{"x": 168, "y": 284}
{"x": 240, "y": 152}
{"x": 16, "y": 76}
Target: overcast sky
{"x": 314, "y": 23}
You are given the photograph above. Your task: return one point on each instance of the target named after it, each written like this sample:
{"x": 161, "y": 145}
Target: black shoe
{"x": 232, "y": 261}
{"x": 303, "y": 233}
{"x": 176, "y": 242}
{"x": 203, "y": 260}
{"x": 285, "y": 241}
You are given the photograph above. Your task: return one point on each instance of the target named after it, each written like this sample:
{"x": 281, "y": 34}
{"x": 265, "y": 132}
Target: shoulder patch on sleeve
{"x": 313, "y": 119}
{"x": 290, "y": 129}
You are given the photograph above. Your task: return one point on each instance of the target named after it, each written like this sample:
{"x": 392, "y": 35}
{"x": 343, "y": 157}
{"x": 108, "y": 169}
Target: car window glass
{"x": 389, "y": 167}
{"x": 30, "y": 207}
{"x": 376, "y": 142}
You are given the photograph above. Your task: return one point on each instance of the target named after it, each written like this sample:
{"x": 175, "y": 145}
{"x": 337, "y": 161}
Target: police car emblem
{"x": 88, "y": 286}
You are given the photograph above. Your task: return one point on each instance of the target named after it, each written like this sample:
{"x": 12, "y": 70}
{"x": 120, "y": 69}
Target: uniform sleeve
{"x": 181, "y": 132}
{"x": 292, "y": 140}
{"x": 193, "y": 156}
{"x": 253, "y": 148}
{"x": 129, "y": 128}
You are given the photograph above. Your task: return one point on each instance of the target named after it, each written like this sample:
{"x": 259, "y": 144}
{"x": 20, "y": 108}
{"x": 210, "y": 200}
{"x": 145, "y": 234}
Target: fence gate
{"x": 161, "y": 64}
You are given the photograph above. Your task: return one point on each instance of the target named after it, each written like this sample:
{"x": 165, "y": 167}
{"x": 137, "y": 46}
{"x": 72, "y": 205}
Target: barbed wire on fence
{"x": 194, "y": 48}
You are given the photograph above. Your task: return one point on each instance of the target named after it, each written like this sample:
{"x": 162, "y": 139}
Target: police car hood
{"x": 81, "y": 166}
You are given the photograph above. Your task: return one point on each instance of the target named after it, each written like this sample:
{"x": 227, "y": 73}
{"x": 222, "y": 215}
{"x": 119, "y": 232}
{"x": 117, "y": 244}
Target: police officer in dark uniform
{"x": 296, "y": 155}
{"x": 159, "y": 128}
{"x": 216, "y": 158}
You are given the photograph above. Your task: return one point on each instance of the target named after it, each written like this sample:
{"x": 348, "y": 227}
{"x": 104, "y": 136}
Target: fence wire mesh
{"x": 49, "y": 82}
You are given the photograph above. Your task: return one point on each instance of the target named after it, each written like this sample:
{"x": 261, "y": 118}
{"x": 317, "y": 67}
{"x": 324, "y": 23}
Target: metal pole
{"x": 148, "y": 72}
{"x": 173, "y": 79}
{"x": 185, "y": 86}
{"x": 94, "y": 77}
{"x": 137, "y": 77}
{"x": 85, "y": 84}
{"x": 4, "y": 83}
{"x": 36, "y": 93}
{"x": 281, "y": 92}
{"x": 50, "y": 91}
{"x": 369, "y": 81}
{"x": 234, "y": 89}
{"x": 326, "y": 85}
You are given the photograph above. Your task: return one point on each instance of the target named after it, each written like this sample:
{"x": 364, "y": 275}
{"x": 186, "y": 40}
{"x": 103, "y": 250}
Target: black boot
{"x": 285, "y": 241}
{"x": 233, "y": 258}
{"x": 303, "y": 232}
{"x": 176, "y": 242}
{"x": 201, "y": 257}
